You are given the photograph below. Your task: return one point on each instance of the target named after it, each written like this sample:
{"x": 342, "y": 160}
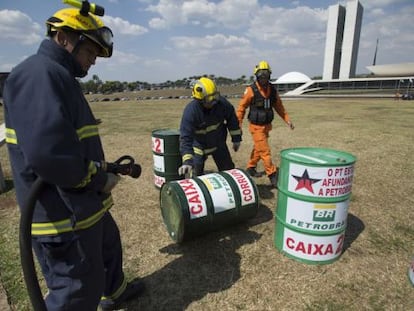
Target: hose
{"x": 25, "y": 243}
{"x": 125, "y": 165}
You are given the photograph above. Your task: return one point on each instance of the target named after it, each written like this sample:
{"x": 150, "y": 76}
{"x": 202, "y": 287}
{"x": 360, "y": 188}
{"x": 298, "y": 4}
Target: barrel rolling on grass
{"x": 191, "y": 207}
{"x": 314, "y": 191}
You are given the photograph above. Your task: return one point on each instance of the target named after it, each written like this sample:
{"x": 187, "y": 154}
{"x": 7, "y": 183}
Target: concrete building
{"x": 333, "y": 43}
{"x": 342, "y": 40}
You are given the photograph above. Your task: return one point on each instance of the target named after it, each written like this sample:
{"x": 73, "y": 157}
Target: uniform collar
{"x": 51, "y": 49}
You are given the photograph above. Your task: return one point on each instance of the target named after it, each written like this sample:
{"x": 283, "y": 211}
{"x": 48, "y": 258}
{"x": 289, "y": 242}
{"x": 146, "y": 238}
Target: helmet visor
{"x": 211, "y": 99}
{"x": 263, "y": 74}
{"x": 102, "y": 36}
{"x": 106, "y": 35}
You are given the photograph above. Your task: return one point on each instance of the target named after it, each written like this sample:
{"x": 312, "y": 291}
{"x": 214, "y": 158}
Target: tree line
{"x": 96, "y": 85}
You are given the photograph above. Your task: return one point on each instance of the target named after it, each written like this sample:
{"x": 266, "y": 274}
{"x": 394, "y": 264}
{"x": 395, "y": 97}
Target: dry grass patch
{"x": 239, "y": 268}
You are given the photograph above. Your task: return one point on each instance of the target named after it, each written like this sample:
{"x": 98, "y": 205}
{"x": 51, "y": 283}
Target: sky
{"x": 167, "y": 40}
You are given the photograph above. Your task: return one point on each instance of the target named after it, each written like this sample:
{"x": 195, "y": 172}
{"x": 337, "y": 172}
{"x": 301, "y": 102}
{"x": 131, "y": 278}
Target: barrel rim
{"x": 166, "y": 130}
{"x": 285, "y": 155}
{"x": 179, "y": 232}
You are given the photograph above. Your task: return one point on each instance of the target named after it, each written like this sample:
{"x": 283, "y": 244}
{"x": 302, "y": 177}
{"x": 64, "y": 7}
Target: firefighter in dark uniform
{"x": 52, "y": 134}
{"x": 203, "y": 130}
{"x": 262, "y": 98}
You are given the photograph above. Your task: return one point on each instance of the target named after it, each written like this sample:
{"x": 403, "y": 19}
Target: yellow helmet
{"x": 88, "y": 25}
{"x": 263, "y": 65}
{"x": 205, "y": 89}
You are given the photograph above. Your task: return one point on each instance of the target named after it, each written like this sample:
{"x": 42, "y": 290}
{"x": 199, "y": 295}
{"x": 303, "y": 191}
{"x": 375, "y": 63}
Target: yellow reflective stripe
{"x": 198, "y": 151}
{"x": 87, "y": 131}
{"x": 62, "y": 226}
{"x": 187, "y": 156}
{"x": 83, "y": 132}
{"x": 51, "y": 227}
{"x": 235, "y": 132}
{"x": 91, "y": 171}
{"x": 208, "y": 129}
{"x": 11, "y": 137}
{"x": 118, "y": 292}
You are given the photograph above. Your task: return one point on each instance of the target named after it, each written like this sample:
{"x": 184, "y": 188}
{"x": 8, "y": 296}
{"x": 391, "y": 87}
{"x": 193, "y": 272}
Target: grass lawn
{"x": 239, "y": 267}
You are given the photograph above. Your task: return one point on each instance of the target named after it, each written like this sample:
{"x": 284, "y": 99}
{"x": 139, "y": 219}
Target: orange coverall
{"x": 260, "y": 133}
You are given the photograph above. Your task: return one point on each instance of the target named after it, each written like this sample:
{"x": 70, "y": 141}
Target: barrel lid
{"x": 318, "y": 156}
{"x": 166, "y": 132}
{"x": 171, "y": 211}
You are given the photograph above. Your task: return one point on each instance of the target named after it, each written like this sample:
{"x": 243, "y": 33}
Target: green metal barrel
{"x": 191, "y": 207}
{"x": 314, "y": 190}
{"x": 166, "y": 155}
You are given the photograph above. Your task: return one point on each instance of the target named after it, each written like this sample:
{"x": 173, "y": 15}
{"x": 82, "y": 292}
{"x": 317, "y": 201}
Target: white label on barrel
{"x": 220, "y": 192}
{"x": 197, "y": 206}
{"x": 245, "y": 186}
{"x": 312, "y": 247}
{"x": 157, "y": 145}
{"x": 159, "y": 181}
{"x": 159, "y": 165}
{"x": 317, "y": 217}
{"x": 322, "y": 182}
{"x": 411, "y": 272}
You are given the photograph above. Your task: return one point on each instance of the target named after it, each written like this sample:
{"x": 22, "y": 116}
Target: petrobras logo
{"x": 318, "y": 217}
{"x": 220, "y": 192}
{"x": 211, "y": 182}
{"x": 324, "y": 213}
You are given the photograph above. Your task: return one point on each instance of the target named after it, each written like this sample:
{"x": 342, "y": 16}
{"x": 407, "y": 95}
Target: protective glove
{"x": 185, "y": 169}
{"x": 236, "y": 146}
{"x": 111, "y": 182}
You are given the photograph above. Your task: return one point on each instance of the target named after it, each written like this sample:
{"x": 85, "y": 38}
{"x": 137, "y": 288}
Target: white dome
{"x": 293, "y": 77}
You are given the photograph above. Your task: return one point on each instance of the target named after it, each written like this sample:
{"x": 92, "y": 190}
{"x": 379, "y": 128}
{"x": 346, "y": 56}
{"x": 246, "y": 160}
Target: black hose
{"x": 25, "y": 242}
{"x": 25, "y": 233}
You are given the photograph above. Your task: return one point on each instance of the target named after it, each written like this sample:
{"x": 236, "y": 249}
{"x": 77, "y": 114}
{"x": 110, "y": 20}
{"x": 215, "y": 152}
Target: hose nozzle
{"x": 124, "y": 166}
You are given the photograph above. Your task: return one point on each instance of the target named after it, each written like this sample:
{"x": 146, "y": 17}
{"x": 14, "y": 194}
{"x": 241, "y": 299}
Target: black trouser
{"x": 82, "y": 266}
{"x": 221, "y": 157}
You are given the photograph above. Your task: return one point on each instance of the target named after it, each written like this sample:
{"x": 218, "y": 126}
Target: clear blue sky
{"x": 160, "y": 40}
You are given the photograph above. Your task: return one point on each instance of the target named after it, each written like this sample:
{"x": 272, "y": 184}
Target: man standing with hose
{"x": 52, "y": 136}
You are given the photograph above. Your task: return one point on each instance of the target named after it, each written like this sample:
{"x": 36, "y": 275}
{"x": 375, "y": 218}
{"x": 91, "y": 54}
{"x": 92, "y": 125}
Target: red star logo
{"x": 305, "y": 182}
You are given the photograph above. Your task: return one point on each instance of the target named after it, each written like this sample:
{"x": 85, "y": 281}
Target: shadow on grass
{"x": 354, "y": 228}
{"x": 204, "y": 263}
{"x": 265, "y": 191}
{"x": 9, "y": 185}
{"x": 208, "y": 264}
